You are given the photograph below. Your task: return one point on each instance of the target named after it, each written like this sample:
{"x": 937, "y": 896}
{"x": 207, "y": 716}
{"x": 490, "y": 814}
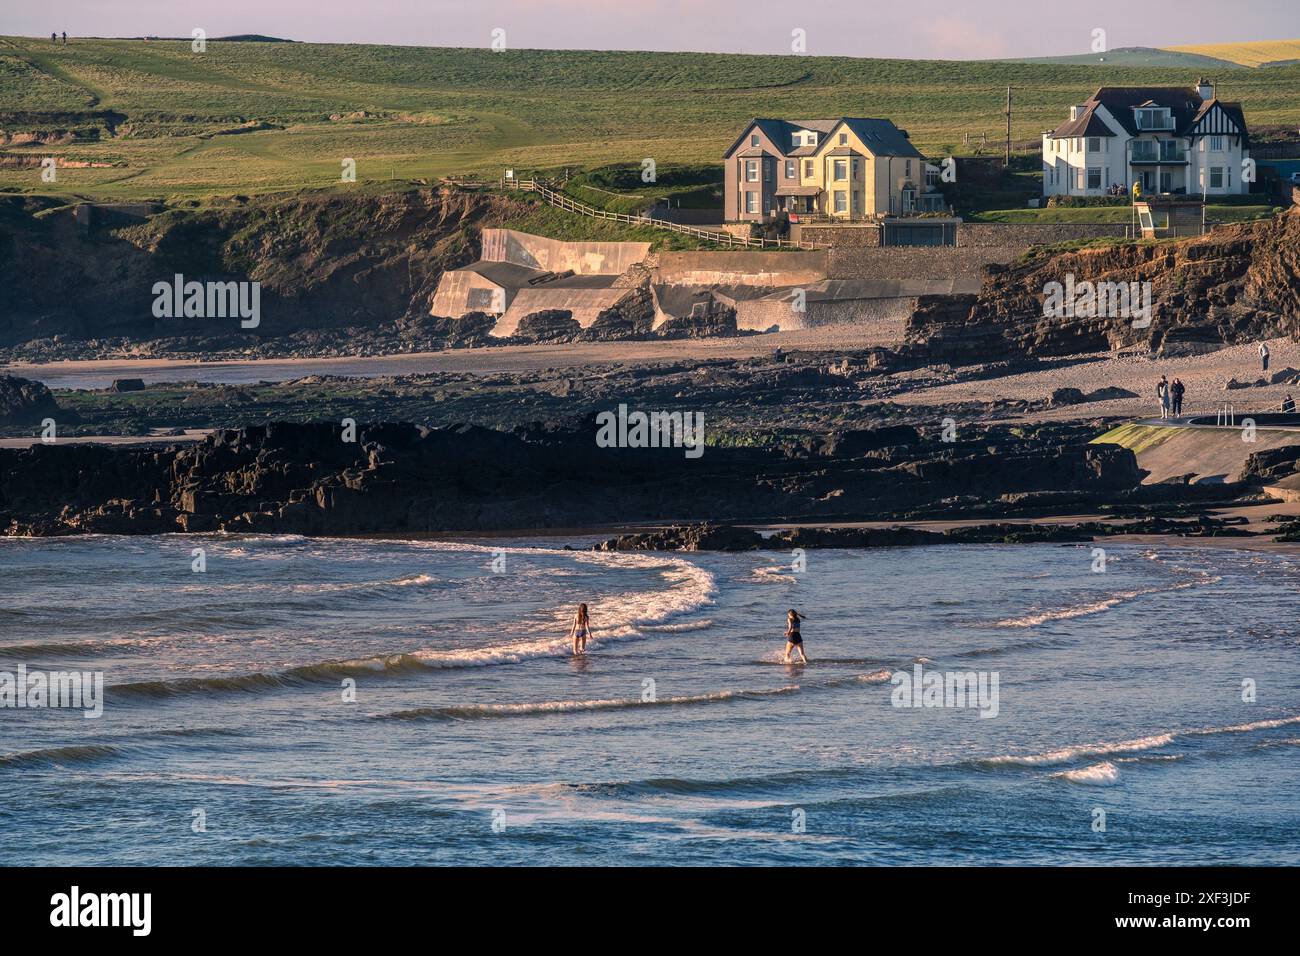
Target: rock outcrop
{"x": 1235, "y": 284}
{"x": 23, "y": 401}
{"x": 306, "y": 478}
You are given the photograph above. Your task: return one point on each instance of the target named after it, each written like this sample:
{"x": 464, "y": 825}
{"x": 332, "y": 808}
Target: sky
{"x": 937, "y": 29}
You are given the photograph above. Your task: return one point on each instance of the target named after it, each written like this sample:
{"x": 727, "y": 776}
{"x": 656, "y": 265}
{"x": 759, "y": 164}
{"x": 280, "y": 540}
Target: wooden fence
{"x": 567, "y": 203}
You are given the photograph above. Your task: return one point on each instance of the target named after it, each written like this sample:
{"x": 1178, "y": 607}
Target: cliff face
{"x": 324, "y": 260}
{"x": 307, "y": 479}
{"x": 1234, "y": 284}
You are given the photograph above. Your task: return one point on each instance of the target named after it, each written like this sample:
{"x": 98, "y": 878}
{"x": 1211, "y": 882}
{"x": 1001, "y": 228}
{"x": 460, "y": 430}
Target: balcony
{"x": 1151, "y": 153}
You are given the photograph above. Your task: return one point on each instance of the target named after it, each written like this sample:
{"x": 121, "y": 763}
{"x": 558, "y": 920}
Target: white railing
{"x": 1226, "y": 416}
{"x": 561, "y": 201}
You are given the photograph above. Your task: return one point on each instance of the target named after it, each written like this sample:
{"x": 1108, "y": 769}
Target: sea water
{"x": 350, "y": 701}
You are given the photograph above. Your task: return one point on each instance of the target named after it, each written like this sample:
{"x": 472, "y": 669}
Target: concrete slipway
{"x": 1187, "y": 446}
{"x": 520, "y": 274}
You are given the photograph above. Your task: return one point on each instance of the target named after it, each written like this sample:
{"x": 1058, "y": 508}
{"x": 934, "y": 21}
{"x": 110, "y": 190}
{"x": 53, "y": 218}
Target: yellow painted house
{"x": 850, "y": 168}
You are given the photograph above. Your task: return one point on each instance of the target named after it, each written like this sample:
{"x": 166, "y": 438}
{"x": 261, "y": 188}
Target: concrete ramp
{"x": 554, "y": 255}
{"x": 1212, "y": 454}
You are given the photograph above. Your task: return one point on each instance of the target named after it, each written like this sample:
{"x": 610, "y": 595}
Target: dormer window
{"x": 844, "y": 139}
{"x": 754, "y": 140}
{"x": 1152, "y": 117}
{"x": 811, "y": 139}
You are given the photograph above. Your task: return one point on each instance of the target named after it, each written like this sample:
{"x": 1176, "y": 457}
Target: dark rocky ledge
{"x": 399, "y": 477}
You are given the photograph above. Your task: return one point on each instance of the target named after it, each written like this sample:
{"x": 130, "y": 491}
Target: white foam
{"x": 1096, "y": 607}
{"x": 688, "y": 588}
{"x": 1102, "y": 774}
{"x": 1066, "y": 754}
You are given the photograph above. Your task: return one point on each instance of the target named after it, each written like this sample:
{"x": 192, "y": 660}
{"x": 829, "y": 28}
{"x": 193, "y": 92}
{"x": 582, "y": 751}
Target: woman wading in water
{"x": 793, "y": 639}
{"x": 580, "y": 631}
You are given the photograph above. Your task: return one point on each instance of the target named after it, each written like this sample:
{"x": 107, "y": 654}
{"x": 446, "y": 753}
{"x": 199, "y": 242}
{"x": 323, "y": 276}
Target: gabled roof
{"x": 880, "y": 136}
{"x": 781, "y": 133}
{"x": 1185, "y": 105}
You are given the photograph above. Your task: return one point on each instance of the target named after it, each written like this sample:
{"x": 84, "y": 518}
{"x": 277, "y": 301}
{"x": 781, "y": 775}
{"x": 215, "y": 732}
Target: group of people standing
{"x": 1170, "y": 396}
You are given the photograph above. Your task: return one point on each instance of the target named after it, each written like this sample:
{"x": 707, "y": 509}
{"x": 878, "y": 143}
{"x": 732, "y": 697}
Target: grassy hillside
{"x": 248, "y": 117}
{"x": 1143, "y": 56}
{"x": 1256, "y": 53}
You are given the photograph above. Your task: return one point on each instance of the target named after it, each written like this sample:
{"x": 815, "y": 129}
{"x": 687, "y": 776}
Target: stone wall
{"x": 741, "y": 268}
{"x": 974, "y": 234}
{"x": 854, "y": 236}
{"x": 916, "y": 262}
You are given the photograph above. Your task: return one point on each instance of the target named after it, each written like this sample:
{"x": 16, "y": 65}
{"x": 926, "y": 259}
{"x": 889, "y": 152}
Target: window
{"x": 844, "y": 139}
{"x": 855, "y": 167}
{"x": 789, "y": 169}
{"x": 841, "y": 170}
{"x": 1094, "y": 177}
{"x": 1082, "y": 173}
{"x": 841, "y": 200}
{"x": 907, "y": 168}
{"x": 751, "y": 202}
{"x": 753, "y": 140}
{"x": 751, "y": 170}
{"x": 1216, "y": 177}
{"x": 1094, "y": 144}
{"x": 857, "y": 202}
{"x": 1152, "y": 118}
{"x": 1216, "y": 144}
{"x": 811, "y": 139}
{"x": 809, "y": 169}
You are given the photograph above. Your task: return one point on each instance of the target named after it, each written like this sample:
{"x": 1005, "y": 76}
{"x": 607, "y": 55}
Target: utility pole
{"x": 1008, "y": 125}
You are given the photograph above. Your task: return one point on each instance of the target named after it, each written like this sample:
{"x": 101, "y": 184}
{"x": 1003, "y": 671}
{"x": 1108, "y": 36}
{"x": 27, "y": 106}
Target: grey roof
{"x": 1185, "y": 105}
{"x": 881, "y": 136}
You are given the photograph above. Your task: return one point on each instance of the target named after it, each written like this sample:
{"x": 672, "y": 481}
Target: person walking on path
{"x": 1176, "y": 391}
{"x": 1263, "y": 355}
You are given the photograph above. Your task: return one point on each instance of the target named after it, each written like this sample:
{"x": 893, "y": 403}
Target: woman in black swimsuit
{"x": 793, "y": 639}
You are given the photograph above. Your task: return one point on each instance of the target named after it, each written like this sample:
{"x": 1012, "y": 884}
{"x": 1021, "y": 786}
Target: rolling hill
{"x": 153, "y": 119}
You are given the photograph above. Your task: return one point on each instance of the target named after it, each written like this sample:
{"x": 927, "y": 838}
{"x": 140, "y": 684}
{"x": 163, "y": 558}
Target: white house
{"x": 1170, "y": 139}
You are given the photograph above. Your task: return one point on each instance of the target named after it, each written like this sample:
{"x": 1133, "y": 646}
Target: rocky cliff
{"x": 325, "y": 261}
{"x": 1236, "y": 283}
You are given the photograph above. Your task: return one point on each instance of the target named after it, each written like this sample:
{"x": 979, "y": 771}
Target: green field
{"x": 249, "y": 117}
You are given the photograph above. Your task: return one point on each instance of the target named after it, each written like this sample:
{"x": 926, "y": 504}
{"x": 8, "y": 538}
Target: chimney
{"x": 1205, "y": 89}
